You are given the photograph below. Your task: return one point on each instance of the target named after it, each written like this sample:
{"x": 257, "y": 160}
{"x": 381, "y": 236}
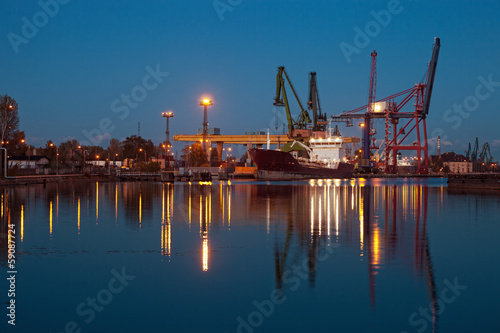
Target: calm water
{"x": 343, "y": 256}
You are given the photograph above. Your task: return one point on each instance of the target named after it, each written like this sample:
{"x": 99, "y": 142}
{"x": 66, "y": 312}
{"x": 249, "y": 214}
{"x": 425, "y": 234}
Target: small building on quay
{"x": 456, "y": 163}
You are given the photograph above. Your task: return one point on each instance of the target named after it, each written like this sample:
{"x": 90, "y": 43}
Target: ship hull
{"x": 278, "y": 165}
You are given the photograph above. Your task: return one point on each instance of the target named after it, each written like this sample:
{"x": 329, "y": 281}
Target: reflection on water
{"x": 378, "y": 223}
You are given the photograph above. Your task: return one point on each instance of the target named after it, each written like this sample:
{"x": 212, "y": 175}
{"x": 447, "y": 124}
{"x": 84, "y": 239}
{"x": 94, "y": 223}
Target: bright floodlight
{"x": 167, "y": 114}
{"x": 376, "y": 107}
{"x": 206, "y": 101}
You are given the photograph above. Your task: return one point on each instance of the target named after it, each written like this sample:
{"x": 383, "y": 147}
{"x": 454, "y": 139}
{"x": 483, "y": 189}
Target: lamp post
{"x": 57, "y": 157}
{"x": 205, "y": 103}
{"x": 168, "y": 115}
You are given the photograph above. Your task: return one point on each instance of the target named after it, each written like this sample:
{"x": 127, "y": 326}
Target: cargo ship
{"x": 323, "y": 158}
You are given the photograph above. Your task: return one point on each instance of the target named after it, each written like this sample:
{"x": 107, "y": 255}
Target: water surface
{"x": 324, "y": 256}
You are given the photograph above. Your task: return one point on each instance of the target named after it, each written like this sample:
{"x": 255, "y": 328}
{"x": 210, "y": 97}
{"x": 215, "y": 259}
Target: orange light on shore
{"x": 361, "y": 124}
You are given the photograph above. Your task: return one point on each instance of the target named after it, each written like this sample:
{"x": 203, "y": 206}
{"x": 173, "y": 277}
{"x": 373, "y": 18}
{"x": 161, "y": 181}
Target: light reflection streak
{"x": 22, "y": 222}
{"x": 116, "y": 202}
{"x": 268, "y": 215}
{"x": 189, "y": 208}
{"x": 229, "y": 208}
{"x": 78, "y": 215}
{"x": 328, "y": 203}
{"x": 337, "y": 201}
{"x": 312, "y": 216}
{"x": 376, "y": 246}
{"x": 140, "y": 210}
{"x": 361, "y": 224}
{"x": 319, "y": 216}
{"x": 205, "y": 252}
{"x": 201, "y": 216}
{"x": 50, "y": 218}
{"x": 96, "y": 202}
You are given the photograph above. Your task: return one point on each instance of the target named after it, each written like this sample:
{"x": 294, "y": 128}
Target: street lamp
{"x": 205, "y": 103}
{"x": 57, "y": 157}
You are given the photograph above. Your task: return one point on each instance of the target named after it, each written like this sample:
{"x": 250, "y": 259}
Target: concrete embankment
{"x": 475, "y": 181}
{"x": 44, "y": 179}
{"x": 381, "y": 175}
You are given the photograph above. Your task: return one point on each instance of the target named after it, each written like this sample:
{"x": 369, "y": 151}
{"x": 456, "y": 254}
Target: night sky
{"x": 84, "y": 68}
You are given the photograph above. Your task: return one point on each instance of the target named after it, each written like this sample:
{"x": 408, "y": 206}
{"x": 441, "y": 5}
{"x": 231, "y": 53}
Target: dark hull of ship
{"x": 278, "y": 165}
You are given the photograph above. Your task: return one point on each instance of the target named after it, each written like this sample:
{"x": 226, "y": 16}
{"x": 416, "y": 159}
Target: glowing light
{"x": 206, "y": 102}
{"x": 22, "y": 222}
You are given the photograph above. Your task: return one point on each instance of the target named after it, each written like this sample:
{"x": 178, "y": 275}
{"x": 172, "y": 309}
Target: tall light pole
{"x": 167, "y": 145}
{"x": 205, "y": 103}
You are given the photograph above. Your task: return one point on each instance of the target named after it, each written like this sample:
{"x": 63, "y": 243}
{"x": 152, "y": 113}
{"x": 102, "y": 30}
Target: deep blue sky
{"x": 66, "y": 77}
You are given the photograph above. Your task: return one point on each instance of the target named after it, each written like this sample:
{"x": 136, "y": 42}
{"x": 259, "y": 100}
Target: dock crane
{"x": 486, "y": 154}
{"x": 319, "y": 118}
{"x": 389, "y": 110}
{"x": 296, "y": 127}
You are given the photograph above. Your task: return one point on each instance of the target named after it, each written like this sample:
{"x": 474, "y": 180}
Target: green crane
{"x": 281, "y": 99}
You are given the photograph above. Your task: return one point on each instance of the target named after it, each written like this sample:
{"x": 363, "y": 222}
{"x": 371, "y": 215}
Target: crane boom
{"x": 319, "y": 119}
{"x": 430, "y": 76}
{"x": 281, "y": 99}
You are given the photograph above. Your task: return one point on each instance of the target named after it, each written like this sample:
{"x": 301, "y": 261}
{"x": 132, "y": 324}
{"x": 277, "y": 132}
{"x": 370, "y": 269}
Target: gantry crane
{"x": 389, "y": 110}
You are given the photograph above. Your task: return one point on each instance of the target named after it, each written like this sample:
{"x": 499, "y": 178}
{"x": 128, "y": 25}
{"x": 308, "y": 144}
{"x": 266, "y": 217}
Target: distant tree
{"x": 9, "y": 118}
{"x": 436, "y": 165}
{"x": 148, "y": 167}
{"x": 194, "y": 156}
{"x": 138, "y": 148}
{"x": 446, "y": 168}
{"x": 115, "y": 149}
{"x": 68, "y": 151}
{"x": 16, "y": 145}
